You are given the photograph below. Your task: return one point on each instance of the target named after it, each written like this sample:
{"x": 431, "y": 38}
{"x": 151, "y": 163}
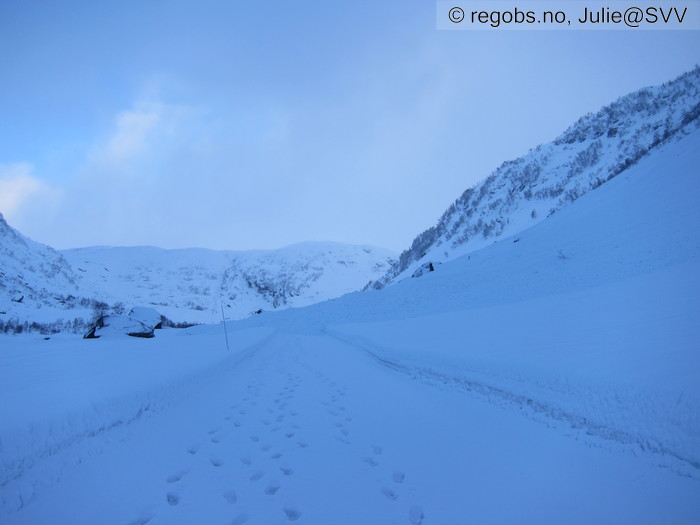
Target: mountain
{"x": 44, "y": 290}
{"x": 525, "y": 191}
{"x": 37, "y": 285}
{"x": 191, "y": 285}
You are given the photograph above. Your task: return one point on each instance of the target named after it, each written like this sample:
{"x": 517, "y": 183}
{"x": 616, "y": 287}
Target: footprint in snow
{"x": 398, "y": 476}
{"x": 272, "y": 489}
{"x": 230, "y": 496}
{"x": 173, "y": 498}
{"x": 174, "y": 478}
{"x": 415, "y": 515}
{"x": 370, "y": 461}
{"x": 216, "y": 462}
{"x": 292, "y": 514}
{"x": 389, "y": 493}
{"x": 239, "y": 520}
{"x": 256, "y": 475}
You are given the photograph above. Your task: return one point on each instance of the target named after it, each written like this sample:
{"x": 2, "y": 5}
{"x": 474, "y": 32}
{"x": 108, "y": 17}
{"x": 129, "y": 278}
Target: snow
{"x": 555, "y": 379}
{"x": 190, "y": 285}
{"x": 44, "y": 290}
{"x": 293, "y": 434}
{"x": 57, "y": 393}
{"x": 527, "y": 190}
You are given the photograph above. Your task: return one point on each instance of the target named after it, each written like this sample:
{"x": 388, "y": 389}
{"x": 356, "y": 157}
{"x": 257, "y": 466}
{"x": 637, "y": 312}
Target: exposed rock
{"x": 119, "y": 325}
{"x": 425, "y": 268}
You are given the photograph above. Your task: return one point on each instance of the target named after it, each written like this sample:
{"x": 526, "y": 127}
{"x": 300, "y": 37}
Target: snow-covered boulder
{"x": 119, "y": 325}
{"x": 148, "y": 316}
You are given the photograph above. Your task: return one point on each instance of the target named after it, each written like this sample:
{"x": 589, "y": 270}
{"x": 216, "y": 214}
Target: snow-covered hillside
{"x": 525, "y": 191}
{"x": 588, "y": 317}
{"x": 191, "y": 285}
{"x": 37, "y": 285}
{"x": 44, "y": 290}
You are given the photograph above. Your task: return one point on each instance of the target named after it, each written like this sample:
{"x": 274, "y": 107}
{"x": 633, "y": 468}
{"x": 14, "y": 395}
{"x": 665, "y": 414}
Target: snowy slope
{"x": 37, "y": 283}
{"x": 44, "y": 290}
{"x": 192, "y": 284}
{"x": 589, "y": 318}
{"x": 525, "y": 191}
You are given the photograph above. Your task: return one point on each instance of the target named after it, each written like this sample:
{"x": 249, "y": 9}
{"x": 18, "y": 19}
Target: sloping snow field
{"x": 555, "y": 379}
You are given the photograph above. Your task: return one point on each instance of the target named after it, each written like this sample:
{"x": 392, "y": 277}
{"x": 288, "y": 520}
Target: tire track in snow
{"x": 535, "y": 409}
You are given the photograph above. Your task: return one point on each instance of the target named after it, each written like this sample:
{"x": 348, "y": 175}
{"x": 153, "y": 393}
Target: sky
{"x": 245, "y": 125}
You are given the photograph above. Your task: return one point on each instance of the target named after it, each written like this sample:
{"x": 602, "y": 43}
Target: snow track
{"x": 307, "y": 429}
{"x": 70, "y": 421}
{"x": 539, "y": 408}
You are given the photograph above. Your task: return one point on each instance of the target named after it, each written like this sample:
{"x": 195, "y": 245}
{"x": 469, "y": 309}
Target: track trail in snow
{"x": 285, "y": 443}
{"x": 282, "y": 439}
{"x": 310, "y": 430}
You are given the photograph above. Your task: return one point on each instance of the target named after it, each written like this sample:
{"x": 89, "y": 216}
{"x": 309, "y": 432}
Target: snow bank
{"x": 60, "y": 391}
{"x": 618, "y": 361}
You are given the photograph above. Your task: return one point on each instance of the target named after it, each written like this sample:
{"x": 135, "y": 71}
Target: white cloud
{"x": 19, "y": 190}
{"x": 130, "y": 136}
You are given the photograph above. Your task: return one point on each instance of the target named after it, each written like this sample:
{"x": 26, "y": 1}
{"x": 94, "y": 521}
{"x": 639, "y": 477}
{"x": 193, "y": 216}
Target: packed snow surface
{"x": 551, "y": 377}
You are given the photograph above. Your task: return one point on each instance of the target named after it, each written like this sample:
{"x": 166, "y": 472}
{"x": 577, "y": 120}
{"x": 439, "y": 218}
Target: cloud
{"x": 130, "y": 136}
{"x": 19, "y": 190}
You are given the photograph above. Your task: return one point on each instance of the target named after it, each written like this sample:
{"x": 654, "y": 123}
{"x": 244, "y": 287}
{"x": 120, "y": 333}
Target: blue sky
{"x": 239, "y": 125}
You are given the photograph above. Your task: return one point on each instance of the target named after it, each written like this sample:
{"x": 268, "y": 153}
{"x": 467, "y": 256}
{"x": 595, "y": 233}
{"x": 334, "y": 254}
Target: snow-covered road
{"x": 310, "y": 429}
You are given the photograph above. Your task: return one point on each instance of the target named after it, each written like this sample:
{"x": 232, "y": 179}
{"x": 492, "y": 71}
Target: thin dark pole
{"x": 224, "y": 321}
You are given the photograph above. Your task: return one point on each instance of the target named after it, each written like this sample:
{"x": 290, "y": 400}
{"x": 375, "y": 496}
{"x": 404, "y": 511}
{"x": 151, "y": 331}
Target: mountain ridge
{"x": 45, "y": 290}
{"x": 524, "y": 191}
